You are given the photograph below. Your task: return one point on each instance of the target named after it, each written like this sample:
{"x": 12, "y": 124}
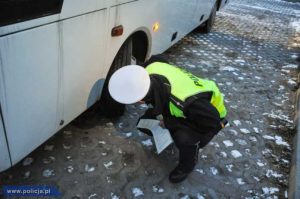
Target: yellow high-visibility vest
{"x": 184, "y": 85}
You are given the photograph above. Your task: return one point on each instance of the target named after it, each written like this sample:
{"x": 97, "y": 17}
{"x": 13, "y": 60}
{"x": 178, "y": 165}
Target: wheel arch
{"x": 142, "y": 44}
{"x": 136, "y": 44}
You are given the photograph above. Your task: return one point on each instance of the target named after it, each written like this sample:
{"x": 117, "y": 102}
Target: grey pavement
{"x": 251, "y": 55}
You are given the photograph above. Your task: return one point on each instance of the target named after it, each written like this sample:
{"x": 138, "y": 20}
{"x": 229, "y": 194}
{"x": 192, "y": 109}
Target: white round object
{"x": 129, "y": 84}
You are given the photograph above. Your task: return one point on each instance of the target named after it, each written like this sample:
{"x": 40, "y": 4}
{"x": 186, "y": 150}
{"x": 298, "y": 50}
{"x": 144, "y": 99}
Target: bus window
{"x": 14, "y": 11}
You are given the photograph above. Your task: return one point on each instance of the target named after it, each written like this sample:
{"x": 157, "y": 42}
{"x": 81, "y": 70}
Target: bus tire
{"x": 108, "y": 106}
{"x": 210, "y": 22}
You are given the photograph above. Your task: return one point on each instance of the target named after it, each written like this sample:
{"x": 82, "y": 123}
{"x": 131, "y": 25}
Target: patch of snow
{"x": 201, "y": 171}
{"x": 104, "y": 154}
{"x": 147, "y": 142}
{"x": 292, "y": 66}
{"x": 285, "y": 71}
{"x": 48, "y": 173}
{"x": 281, "y": 87}
{"x": 70, "y": 169}
{"x": 248, "y": 122}
{"x": 271, "y": 173}
{"x": 240, "y": 61}
{"x": 68, "y": 157}
{"x": 245, "y": 131}
{"x": 137, "y": 192}
{"x": 237, "y": 122}
{"x": 229, "y": 167}
{"x": 27, "y": 174}
{"x": 27, "y": 161}
{"x": 143, "y": 106}
{"x": 113, "y": 196}
{"x": 268, "y": 137}
{"x": 66, "y": 146}
{"x": 266, "y": 151}
{"x": 214, "y": 144}
{"x": 234, "y": 132}
{"x": 191, "y": 65}
{"x": 241, "y": 142}
{"x": 285, "y": 161}
{"x": 129, "y": 134}
{"x": 240, "y": 181}
{"x": 120, "y": 151}
{"x": 224, "y": 154}
{"x": 157, "y": 189}
{"x": 253, "y": 139}
{"x": 108, "y": 164}
{"x": 233, "y": 106}
{"x": 199, "y": 196}
{"x": 121, "y": 125}
{"x": 213, "y": 170}
{"x": 259, "y": 163}
{"x": 270, "y": 190}
{"x": 92, "y": 195}
{"x": 279, "y": 141}
{"x": 296, "y": 25}
{"x": 185, "y": 197}
{"x": 109, "y": 124}
{"x": 108, "y": 179}
{"x": 48, "y": 147}
{"x": 292, "y": 82}
{"x": 236, "y": 154}
{"x": 89, "y": 168}
{"x": 227, "y": 143}
{"x": 248, "y": 151}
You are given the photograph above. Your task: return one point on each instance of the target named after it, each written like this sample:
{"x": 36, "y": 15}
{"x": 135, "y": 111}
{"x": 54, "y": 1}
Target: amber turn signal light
{"x": 117, "y": 31}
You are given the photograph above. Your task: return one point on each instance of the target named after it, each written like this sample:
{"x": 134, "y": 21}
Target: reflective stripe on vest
{"x": 192, "y": 86}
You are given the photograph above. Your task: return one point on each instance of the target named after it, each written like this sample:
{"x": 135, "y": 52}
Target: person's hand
{"x": 146, "y": 131}
{"x": 162, "y": 124}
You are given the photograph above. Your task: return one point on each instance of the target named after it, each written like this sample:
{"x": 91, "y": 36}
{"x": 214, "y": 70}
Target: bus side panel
{"x": 4, "y": 157}
{"x": 174, "y": 21}
{"x": 31, "y": 85}
{"x": 167, "y": 13}
{"x": 204, "y": 8}
{"x": 73, "y": 8}
{"x": 83, "y": 50}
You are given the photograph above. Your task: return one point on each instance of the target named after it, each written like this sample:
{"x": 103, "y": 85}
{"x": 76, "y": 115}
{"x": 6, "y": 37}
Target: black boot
{"x": 188, "y": 156}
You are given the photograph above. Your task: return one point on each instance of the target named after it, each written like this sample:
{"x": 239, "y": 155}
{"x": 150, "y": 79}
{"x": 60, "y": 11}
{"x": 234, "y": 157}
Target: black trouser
{"x": 188, "y": 141}
{"x": 188, "y": 136}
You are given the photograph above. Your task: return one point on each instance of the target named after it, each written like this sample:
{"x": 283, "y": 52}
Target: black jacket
{"x": 201, "y": 115}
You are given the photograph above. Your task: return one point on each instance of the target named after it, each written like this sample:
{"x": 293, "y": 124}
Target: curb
{"x": 294, "y": 178}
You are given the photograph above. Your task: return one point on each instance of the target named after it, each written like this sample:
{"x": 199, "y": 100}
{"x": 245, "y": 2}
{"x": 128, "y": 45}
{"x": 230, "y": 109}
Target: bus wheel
{"x": 210, "y": 22}
{"x": 108, "y": 106}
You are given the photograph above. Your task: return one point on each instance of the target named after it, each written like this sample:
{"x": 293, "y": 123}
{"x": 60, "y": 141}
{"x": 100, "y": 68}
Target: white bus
{"x": 57, "y": 55}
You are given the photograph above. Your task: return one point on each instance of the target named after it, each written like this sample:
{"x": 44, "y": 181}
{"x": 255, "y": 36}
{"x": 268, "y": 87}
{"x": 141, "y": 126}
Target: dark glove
{"x": 146, "y": 131}
{"x": 148, "y": 115}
